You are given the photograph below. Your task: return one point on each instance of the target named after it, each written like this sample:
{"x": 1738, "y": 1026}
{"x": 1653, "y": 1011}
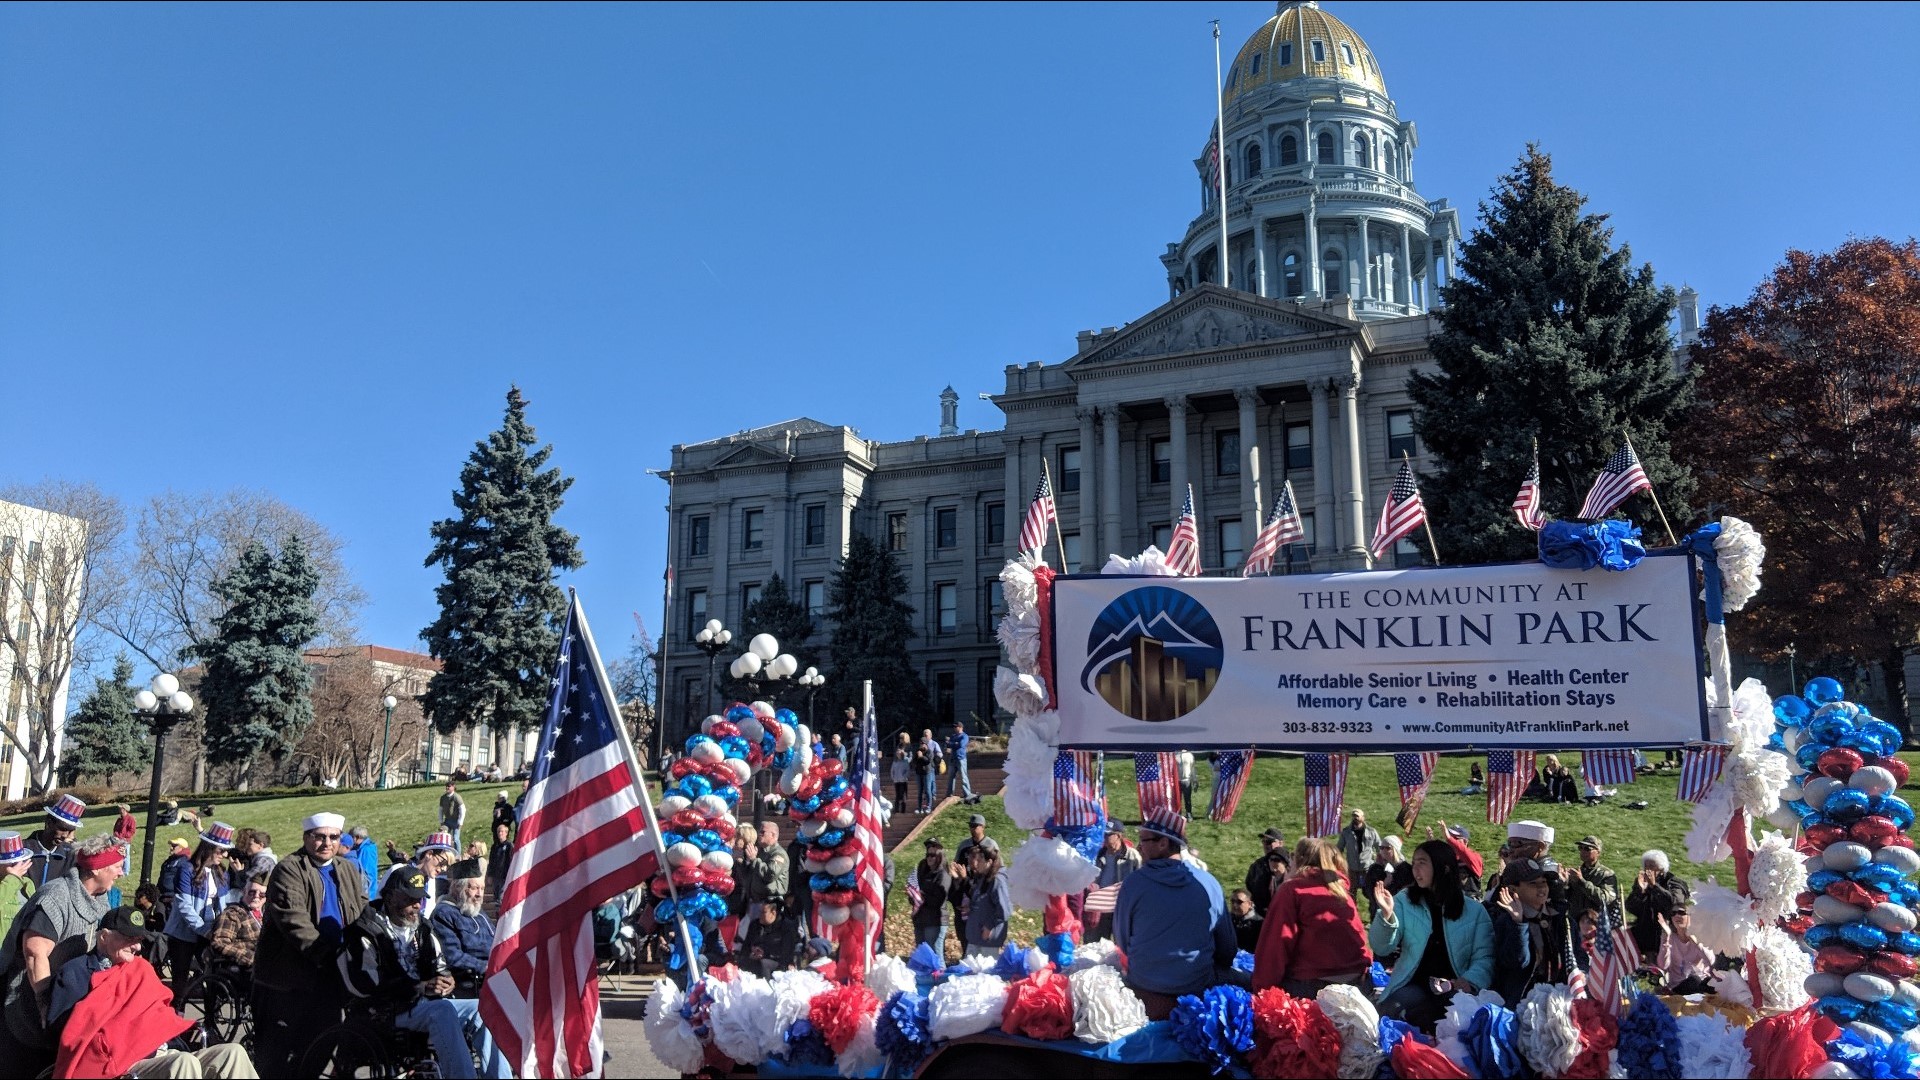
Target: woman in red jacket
{"x": 1312, "y": 936}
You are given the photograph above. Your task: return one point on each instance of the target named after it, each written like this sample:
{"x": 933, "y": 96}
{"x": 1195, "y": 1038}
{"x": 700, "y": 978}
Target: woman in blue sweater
{"x": 1432, "y": 966}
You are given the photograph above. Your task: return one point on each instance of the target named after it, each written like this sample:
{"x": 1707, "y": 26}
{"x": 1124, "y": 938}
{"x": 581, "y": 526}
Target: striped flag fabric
{"x": 1527, "y": 507}
{"x": 1403, "y": 513}
{"x": 869, "y": 853}
{"x": 1076, "y": 801}
{"x": 1620, "y": 477}
{"x": 1576, "y": 977}
{"x": 1183, "y": 548}
{"x": 1283, "y": 527}
{"x": 1413, "y": 772}
{"x": 586, "y": 835}
{"x": 1231, "y": 769}
{"x": 1156, "y": 777}
{"x": 1326, "y": 789}
{"x": 1615, "y": 958}
{"x": 1040, "y": 515}
{"x": 1700, "y": 770}
{"x": 1213, "y": 153}
{"x": 914, "y": 896}
{"x": 1508, "y": 774}
{"x": 1607, "y": 768}
{"x": 1103, "y": 900}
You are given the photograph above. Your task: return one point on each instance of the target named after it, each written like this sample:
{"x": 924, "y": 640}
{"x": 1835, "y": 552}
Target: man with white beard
{"x": 461, "y": 924}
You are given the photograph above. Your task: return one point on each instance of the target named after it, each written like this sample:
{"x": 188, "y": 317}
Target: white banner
{"x": 1518, "y": 655}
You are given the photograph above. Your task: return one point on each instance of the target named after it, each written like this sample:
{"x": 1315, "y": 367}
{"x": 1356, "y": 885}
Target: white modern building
{"x": 42, "y": 575}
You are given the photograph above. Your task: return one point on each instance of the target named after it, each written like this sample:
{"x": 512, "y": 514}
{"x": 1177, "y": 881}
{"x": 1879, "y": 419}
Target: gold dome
{"x": 1302, "y": 41}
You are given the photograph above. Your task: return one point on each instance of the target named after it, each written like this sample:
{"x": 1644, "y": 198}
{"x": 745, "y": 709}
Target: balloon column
{"x": 820, "y": 801}
{"x": 697, "y": 813}
{"x": 1858, "y": 913}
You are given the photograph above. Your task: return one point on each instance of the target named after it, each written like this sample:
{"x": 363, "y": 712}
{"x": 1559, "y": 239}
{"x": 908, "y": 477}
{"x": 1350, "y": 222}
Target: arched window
{"x": 1334, "y": 269}
{"x": 1255, "y": 69}
{"x": 1289, "y": 151}
{"x": 1253, "y": 159}
{"x": 1361, "y": 151}
{"x": 1290, "y": 275}
{"x": 1323, "y": 151}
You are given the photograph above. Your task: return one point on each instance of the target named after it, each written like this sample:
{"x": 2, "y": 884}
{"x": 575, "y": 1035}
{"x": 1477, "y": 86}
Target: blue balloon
{"x": 696, "y": 786}
{"x": 1791, "y": 710}
{"x": 672, "y": 838}
{"x": 1864, "y": 936}
{"x": 820, "y": 882}
{"x": 834, "y": 789}
{"x": 734, "y": 746}
{"x": 1840, "y": 1007}
{"x": 1896, "y": 808}
{"x": 696, "y": 739}
{"x": 1893, "y": 1015}
{"x": 1776, "y": 744}
{"x": 1867, "y": 742}
{"x": 1799, "y": 808}
{"x": 844, "y": 881}
{"x": 1821, "y": 934}
{"x": 787, "y": 716}
{"x": 1888, "y": 736}
{"x": 1809, "y": 755}
{"x": 1873, "y": 875}
{"x": 1846, "y": 806}
{"x": 707, "y": 840}
{"x": 1820, "y": 879}
{"x": 1822, "y": 691}
{"x": 1830, "y": 728}
{"x": 737, "y": 713}
{"x": 831, "y": 838}
{"x": 663, "y": 911}
{"x": 730, "y": 793}
{"x": 1907, "y": 943}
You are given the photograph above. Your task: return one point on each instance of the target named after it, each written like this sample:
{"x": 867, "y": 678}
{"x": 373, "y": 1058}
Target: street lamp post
{"x": 386, "y": 740}
{"x": 712, "y": 638}
{"x": 1793, "y": 682}
{"x": 763, "y": 660}
{"x": 162, "y": 705}
{"x": 813, "y": 681}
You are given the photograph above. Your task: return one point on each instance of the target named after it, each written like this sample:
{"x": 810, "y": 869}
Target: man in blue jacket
{"x": 1171, "y": 922}
{"x": 461, "y": 924}
{"x": 957, "y": 750}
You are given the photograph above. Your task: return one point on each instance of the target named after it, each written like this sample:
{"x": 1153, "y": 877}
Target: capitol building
{"x": 1292, "y": 365}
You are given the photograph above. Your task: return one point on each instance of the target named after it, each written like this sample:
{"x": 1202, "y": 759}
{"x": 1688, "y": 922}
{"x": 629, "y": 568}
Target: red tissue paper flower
{"x": 837, "y": 1014}
{"x": 1292, "y": 1037}
{"x": 1039, "y": 1006}
{"x": 1599, "y": 1034}
{"x": 1415, "y": 1060}
{"x": 1791, "y": 1044}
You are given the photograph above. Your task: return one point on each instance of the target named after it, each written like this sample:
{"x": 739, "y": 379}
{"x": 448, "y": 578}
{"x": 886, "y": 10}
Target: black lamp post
{"x": 763, "y": 660}
{"x": 161, "y": 706}
{"x": 386, "y": 740}
{"x": 712, "y": 638}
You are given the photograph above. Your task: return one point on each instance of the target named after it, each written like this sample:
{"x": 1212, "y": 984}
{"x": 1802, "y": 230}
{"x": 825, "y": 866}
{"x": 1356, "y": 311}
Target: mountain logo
{"x": 1154, "y": 654}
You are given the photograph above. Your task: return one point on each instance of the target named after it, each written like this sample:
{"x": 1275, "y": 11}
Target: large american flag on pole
{"x": 1607, "y": 768}
{"x": 1183, "y": 548}
{"x": 1508, "y": 774}
{"x": 869, "y": 851}
{"x": 1076, "y": 798}
{"x": 1231, "y": 768}
{"x": 1326, "y": 789}
{"x": 583, "y": 840}
{"x": 1283, "y": 527}
{"x": 1156, "y": 777}
{"x": 1620, "y": 477}
{"x": 1040, "y": 515}
{"x": 1403, "y": 513}
{"x": 1527, "y": 507}
{"x": 1700, "y": 770}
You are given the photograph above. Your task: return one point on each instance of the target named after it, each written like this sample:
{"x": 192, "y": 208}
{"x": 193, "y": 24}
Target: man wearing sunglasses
{"x": 312, "y": 897}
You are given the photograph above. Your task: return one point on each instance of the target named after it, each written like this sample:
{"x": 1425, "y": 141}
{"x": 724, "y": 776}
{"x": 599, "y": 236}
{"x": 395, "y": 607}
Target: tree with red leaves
{"x": 1807, "y": 424}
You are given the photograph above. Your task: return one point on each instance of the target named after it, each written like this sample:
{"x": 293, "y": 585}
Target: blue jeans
{"x": 929, "y": 787}
{"x": 959, "y": 776}
{"x": 935, "y": 936}
{"x": 454, "y": 1028}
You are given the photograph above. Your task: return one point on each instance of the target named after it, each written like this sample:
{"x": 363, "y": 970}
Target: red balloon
{"x": 1898, "y": 768}
{"x": 1840, "y": 762}
{"x": 1824, "y": 833}
{"x": 682, "y": 767}
{"x": 1892, "y": 965}
{"x": 658, "y": 886}
{"x": 1798, "y": 925}
{"x": 1874, "y": 831}
{"x": 1804, "y": 901}
{"x": 1852, "y": 892}
{"x": 723, "y": 730}
{"x": 1838, "y": 959}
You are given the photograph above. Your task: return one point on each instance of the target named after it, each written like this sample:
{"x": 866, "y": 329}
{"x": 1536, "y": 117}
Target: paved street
{"x": 623, "y": 1010}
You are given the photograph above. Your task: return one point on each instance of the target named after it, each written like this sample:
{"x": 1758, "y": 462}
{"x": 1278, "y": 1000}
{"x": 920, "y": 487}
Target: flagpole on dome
{"x": 1220, "y": 155}
{"x": 1668, "y": 525}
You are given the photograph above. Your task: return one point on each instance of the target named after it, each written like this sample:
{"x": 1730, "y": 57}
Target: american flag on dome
{"x": 1527, "y": 505}
{"x": 1413, "y": 772}
{"x": 1619, "y": 478}
{"x": 586, "y": 835}
{"x": 1607, "y": 768}
{"x": 1040, "y": 514}
{"x": 1213, "y": 153}
{"x": 1231, "y": 768}
{"x": 1615, "y": 958}
{"x": 1283, "y": 527}
{"x": 1508, "y": 774}
{"x": 1183, "y": 548}
{"x": 1403, "y": 513}
{"x": 1700, "y": 770}
{"x": 1076, "y": 801}
{"x": 1156, "y": 778}
{"x": 1326, "y": 789}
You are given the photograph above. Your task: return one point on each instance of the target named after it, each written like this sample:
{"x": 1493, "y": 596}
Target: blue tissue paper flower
{"x": 1489, "y": 1039}
{"x": 1243, "y": 961}
{"x": 1650, "y": 1040}
{"x": 1059, "y": 949}
{"x": 806, "y": 1046}
{"x": 1867, "y": 1058}
{"x": 1573, "y": 545}
{"x": 925, "y": 961}
{"x": 1377, "y": 975}
{"x": 1215, "y": 1027}
{"x": 902, "y": 1028}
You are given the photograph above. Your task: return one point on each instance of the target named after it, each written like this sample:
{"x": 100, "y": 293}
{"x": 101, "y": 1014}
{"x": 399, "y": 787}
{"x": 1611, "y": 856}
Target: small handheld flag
{"x": 1183, "y": 549}
{"x": 1283, "y": 527}
{"x": 1527, "y": 508}
{"x": 1040, "y": 514}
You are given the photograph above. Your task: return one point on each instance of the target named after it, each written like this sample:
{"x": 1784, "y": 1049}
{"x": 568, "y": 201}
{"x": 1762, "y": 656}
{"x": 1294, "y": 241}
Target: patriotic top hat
{"x": 67, "y": 811}
{"x": 219, "y": 834}
{"x": 440, "y": 841}
{"x": 13, "y": 849}
{"x": 1168, "y": 824}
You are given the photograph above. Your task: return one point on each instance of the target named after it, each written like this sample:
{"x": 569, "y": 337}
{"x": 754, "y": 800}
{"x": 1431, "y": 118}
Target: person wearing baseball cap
{"x": 1530, "y": 941}
{"x": 1604, "y": 882}
{"x": 1171, "y": 921}
{"x": 313, "y": 895}
{"x": 1266, "y": 873}
{"x": 50, "y": 848}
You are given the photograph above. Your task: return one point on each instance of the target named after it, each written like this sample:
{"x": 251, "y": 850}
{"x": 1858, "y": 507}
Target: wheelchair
{"x": 367, "y": 1049}
{"x": 224, "y": 996}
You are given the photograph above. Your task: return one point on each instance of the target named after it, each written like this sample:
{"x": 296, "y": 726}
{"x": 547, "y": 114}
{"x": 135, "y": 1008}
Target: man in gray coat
{"x": 312, "y": 897}
{"x": 1359, "y": 843}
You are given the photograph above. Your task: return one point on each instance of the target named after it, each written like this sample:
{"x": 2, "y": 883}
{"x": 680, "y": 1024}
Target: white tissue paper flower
{"x": 668, "y": 1033}
{"x": 1103, "y": 1008}
{"x": 1548, "y": 1037}
{"x": 1044, "y": 867}
{"x": 1711, "y": 1048}
{"x": 1358, "y": 1022}
{"x": 1741, "y": 556}
{"x": 967, "y": 1005}
{"x": 1149, "y": 563}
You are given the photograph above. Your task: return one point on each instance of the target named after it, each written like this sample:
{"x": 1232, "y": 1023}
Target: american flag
{"x": 1576, "y": 978}
{"x": 1615, "y": 959}
{"x": 1508, "y": 774}
{"x": 914, "y": 896}
{"x": 1700, "y": 770}
{"x": 1231, "y": 768}
{"x": 1619, "y": 478}
{"x": 1102, "y": 900}
{"x": 586, "y": 835}
{"x": 1183, "y": 549}
{"x": 1527, "y": 508}
{"x": 1283, "y": 527}
{"x": 1413, "y": 772}
{"x": 1156, "y": 776}
{"x": 1403, "y": 513}
{"x": 1040, "y": 514}
{"x": 1076, "y": 801}
{"x": 1607, "y": 768}
{"x": 1213, "y": 155}
{"x": 1326, "y": 789}
{"x": 869, "y": 852}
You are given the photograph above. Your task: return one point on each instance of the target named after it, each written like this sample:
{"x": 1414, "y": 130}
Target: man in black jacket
{"x": 393, "y": 961}
{"x": 1267, "y": 872}
{"x": 934, "y": 879}
{"x": 772, "y": 940}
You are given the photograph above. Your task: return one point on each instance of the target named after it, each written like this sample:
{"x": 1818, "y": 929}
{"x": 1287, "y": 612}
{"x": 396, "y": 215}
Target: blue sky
{"x": 307, "y": 248}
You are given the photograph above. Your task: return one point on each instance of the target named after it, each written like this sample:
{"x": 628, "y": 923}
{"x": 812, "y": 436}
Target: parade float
{"x": 1821, "y": 911}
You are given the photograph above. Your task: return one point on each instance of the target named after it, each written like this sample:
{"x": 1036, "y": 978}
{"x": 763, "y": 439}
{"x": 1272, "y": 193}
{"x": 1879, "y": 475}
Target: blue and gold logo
{"x": 1154, "y": 654}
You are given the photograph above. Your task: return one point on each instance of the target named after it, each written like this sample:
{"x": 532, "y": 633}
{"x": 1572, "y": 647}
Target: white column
{"x": 1109, "y": 481}
{"x": 1356, "y": 478}
{"x": 1014, "y": 447}
{"x": 1403, "y": 288}
{"x": 1325, "y": 538}
{"x": 1313, "y": 282}
{"x": 1249, "y": 399}
{"x": 1260, "y": 257}
{"x": 1089, "y": 510}
{"x": 1366, "y": 265}
{"x": 1177, "y": 453}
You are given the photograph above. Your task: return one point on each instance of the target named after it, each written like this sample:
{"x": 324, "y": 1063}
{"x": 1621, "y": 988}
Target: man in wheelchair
{"x": 114, "y": 1017}
{"x": 393, "y": 963}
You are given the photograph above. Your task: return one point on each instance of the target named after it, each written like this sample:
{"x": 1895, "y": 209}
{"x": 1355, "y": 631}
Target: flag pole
{"x": 1220, "y": 158}
{"x": 878, "y": 925}
{"x": 1671, "y": 538}
{"x": 1425, "y": 518}
{"x": 1055, "y": 496}
{"x": 639, "y": 782}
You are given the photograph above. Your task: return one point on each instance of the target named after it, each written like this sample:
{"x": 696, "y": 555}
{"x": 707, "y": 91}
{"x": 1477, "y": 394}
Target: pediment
{"x": 750, "y": 454}
{"x": 1210, "y": 318}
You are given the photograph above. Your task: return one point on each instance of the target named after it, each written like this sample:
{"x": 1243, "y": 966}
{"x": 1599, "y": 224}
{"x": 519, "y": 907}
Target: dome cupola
{"x": 1301, "y": 42}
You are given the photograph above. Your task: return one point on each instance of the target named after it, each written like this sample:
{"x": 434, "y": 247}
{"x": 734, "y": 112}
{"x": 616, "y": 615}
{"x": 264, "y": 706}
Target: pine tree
{"x": 500, "y": 611}
{"x": 257, "y": 689}
{"x": 1548, "y": 332}
{"x": 871, "y": 628}
{"x": 779, "y": 614}
{"x": 103, "y": 737}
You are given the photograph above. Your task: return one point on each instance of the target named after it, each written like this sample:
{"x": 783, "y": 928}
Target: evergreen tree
{"x": 104, "y": 737}
{"x": 871, "y": 628}
{"x": 500, "y": 611}
{"x": 257, "y": 690}
{"x": 779, "y": 614}
{"x": 1548, "y": 332}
